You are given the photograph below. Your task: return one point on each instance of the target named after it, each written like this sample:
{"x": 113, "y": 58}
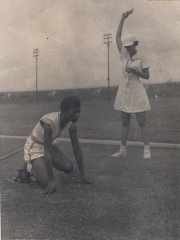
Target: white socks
{"x": 147, "y": 148}
{"x": 120, "y": 153}
{"x": 147, "y": 153}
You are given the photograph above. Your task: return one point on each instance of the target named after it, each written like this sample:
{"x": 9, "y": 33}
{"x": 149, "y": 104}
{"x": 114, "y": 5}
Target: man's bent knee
{"x": 68, "y": 168}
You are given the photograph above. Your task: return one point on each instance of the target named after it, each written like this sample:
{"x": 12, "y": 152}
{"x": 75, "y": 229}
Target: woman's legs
{"x": 142, "y": 121}
{"x": 125, "y": 118}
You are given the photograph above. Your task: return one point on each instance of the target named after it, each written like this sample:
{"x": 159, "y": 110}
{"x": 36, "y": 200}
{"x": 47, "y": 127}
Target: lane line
{"x": 103, "y": 142}
{"x": 11, "y": 154}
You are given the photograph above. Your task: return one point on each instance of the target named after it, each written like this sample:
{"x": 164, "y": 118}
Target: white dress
{"x": 131, "y": 95}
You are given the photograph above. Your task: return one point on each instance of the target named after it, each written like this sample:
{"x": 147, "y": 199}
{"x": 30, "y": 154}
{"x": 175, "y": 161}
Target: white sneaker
{"x": 119, "y": 154}
{"x": 147, "y": 155}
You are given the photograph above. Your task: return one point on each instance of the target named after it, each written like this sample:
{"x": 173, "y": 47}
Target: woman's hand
{"x": 126, "y": 14}
{"x": 130, "y": 70}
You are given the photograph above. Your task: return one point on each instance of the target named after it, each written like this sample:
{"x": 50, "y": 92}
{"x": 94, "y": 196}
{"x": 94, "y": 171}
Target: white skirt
{"x": 132, "y": 97}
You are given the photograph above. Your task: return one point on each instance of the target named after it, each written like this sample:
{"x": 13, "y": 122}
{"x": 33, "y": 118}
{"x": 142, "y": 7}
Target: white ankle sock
{"x": 123, "y": 148}
{"x": 147, "y": 148}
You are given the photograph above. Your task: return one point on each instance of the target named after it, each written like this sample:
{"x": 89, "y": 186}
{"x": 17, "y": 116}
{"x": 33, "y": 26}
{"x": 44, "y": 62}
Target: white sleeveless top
{"x": 53, "y": 119}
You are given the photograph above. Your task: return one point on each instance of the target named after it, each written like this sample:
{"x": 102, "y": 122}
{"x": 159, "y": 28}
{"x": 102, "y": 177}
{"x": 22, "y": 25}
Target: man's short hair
{"x": 69, "y": 102}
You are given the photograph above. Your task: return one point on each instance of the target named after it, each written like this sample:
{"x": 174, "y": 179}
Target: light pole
{"x": 107, "y": 40}
{"x": 35, "y": 54}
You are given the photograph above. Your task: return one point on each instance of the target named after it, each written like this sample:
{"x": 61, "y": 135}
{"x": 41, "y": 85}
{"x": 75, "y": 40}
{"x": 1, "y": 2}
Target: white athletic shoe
{"x": 119, "y": 154}
{"x": 147, "y": 155}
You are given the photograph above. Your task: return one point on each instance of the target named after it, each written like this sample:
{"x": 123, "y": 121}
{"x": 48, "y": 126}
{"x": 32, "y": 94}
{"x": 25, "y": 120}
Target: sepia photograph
{"x": 90, "y": 119}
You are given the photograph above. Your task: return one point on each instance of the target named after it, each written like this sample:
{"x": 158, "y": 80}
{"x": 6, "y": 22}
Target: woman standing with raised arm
{"x": 131, "y": 96}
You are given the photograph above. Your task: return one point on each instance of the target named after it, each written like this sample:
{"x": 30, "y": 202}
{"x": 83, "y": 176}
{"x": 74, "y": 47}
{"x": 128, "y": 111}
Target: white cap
{"x": 129, "y": 41}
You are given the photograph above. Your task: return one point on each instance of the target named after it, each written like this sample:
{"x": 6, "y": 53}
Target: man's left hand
{"x": 85, "y": 181}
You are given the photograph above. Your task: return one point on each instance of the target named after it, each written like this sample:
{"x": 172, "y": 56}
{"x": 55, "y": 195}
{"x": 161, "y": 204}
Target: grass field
{"x": 98, "y": 120}
{"x": 130, "y": 199}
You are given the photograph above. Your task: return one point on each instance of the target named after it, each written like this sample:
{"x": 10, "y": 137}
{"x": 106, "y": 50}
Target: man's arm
{"x": 78, "y": 154}
{"x": 48, "y": 149}
{"x": 48, "y": 158}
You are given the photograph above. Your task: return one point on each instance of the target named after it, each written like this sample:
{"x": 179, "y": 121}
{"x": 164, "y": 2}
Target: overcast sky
{"x": 69, "y": 36}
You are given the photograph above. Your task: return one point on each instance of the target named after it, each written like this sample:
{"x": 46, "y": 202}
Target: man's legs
{"x": 39, "y": 171}
{"x": 59, "y": 161}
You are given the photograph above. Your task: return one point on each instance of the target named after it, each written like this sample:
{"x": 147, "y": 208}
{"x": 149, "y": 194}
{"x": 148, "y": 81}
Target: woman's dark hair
{"x": 136, "y": 43}
{"x": 69, "y": 102}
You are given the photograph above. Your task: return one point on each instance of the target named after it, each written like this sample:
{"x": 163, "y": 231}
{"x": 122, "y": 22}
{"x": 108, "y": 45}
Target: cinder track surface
{"x": 129, "y": 199}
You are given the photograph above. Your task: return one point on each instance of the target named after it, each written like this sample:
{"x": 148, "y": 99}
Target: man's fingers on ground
{"x": 52, "y": 191}
{"x": 46, "y": 191}
{"x": 49, "y": 191}
{"x": 88, "y": 183}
